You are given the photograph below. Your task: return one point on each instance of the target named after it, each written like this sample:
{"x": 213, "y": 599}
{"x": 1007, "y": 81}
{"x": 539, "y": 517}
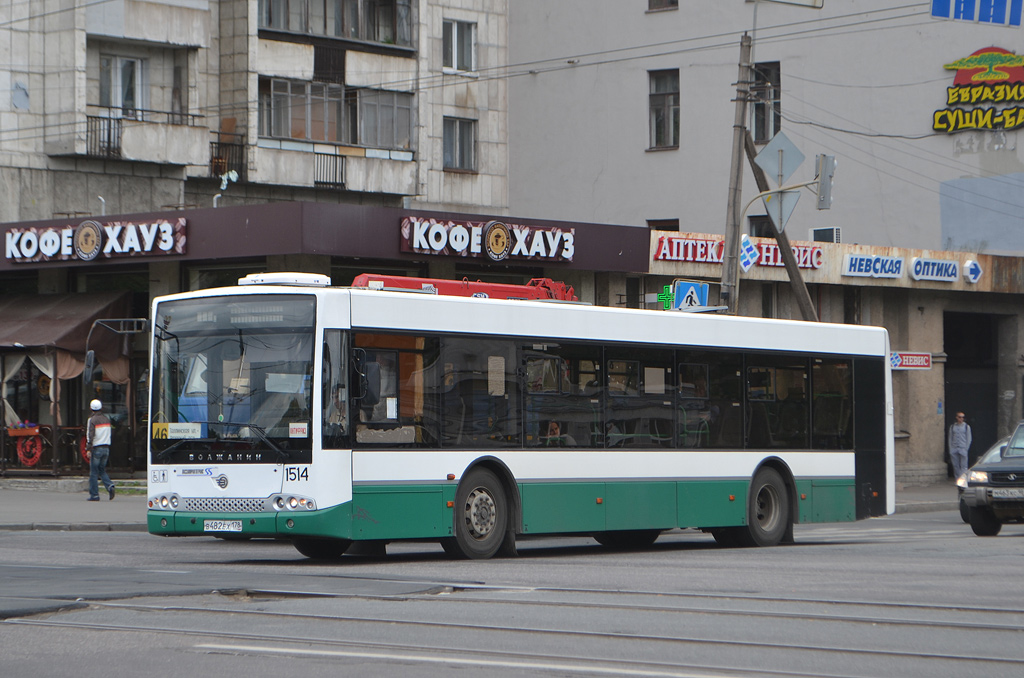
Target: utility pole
{"x": 803, "y": 297}
{"x": 729, "y": 290}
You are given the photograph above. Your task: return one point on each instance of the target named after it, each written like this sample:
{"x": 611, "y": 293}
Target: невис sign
{"x": 91, "y": 240}
{"x": 494, "y": 239}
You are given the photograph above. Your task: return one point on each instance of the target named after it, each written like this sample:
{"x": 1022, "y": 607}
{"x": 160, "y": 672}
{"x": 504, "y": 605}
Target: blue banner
{"x": 1001, "y": 12}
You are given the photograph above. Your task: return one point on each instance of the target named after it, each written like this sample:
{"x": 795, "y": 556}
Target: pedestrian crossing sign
{"x": 690, "y": 294}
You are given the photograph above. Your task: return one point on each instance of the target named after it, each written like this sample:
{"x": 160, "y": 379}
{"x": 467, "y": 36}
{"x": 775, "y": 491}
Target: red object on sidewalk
{"x": 538, "y": 288}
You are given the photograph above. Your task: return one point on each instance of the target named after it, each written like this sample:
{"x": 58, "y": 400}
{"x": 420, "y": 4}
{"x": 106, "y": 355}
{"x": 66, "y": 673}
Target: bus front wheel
{"x": 322, "y": 549}
{"x": 768, "y": 509}
{"x": 481, "y": 514}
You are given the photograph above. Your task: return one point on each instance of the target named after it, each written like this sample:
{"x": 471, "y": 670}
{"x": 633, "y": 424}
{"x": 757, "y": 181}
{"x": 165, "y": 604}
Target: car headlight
{"x": 961, "y": 482}
{"x": 980, "y": 477}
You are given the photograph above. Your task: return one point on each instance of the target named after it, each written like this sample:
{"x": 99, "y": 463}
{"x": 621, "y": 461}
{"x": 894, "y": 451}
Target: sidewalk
{"x": 60, "y": 504}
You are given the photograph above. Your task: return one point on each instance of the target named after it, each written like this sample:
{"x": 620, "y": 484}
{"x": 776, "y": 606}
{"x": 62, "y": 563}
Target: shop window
{"x": 210, "y": 276}
{"x": 664, "y": 108}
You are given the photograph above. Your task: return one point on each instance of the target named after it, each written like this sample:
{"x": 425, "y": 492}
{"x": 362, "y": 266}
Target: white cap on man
{"x": 96, "y": 405}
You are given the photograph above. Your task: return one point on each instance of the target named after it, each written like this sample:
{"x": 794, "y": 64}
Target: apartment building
{"x": 132, "y": 106}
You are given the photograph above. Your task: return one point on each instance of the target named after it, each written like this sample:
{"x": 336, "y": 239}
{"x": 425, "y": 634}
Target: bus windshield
{"x": 233, "y": 371}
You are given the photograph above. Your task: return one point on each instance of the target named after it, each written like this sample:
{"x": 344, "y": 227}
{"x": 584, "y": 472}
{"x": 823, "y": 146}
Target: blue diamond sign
{"x": 748, "y": 253}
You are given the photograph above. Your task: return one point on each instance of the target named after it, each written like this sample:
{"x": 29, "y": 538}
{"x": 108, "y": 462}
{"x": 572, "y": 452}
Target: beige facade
{"x": 132, "y": 106}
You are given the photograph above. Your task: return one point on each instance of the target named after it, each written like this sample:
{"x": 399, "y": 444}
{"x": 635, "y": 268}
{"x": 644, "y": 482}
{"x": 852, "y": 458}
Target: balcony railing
{"x": 104, "y": 129}
{"x": 329, "y": 170}
{"x": 227, "y": 152}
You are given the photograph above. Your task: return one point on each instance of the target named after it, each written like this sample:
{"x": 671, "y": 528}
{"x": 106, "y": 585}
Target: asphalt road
{"x": 908, "y": 595}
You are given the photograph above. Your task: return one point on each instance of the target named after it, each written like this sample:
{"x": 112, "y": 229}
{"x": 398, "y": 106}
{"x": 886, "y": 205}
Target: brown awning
{"x": 62, "y": 321}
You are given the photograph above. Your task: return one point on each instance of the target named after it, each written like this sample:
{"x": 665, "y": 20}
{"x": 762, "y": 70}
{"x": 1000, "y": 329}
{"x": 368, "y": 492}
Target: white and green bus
{"x": 287, "y": 408}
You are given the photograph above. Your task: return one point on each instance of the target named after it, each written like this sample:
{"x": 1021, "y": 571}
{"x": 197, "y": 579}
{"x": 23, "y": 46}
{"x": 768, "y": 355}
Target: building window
{"x": 665, "y": 108}
{"x": 459, "y": 143}
{"x": 316, "y": 111}
{"x": 662, "y": 4}
{"x": 663, "y": 224}
{"x": 761, "y": 226}
{"x": 310, "y": 111}
{"x": 385, "y": 119}
{"x": 459, "y": 39}
{"x": 766, "y": 114}
{"x": 122, "y": 85}
{"x": 386, "y": 21}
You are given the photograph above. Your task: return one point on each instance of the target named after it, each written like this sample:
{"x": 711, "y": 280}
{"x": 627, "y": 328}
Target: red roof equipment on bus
{"x": 538, "y": 288}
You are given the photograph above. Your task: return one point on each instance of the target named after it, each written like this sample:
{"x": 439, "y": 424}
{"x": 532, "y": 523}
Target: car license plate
{"x": 1008, "y": 493}
{"x": 222, "y": 526}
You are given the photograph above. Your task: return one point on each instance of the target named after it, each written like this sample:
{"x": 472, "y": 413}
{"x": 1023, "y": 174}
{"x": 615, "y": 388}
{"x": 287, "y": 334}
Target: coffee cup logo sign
{"x": 88, "y": 240}
{"x": 495, "y": 240}
{"x": 91, "y": 240}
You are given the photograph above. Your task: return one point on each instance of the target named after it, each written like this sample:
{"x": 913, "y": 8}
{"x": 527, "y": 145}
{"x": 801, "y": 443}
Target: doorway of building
{"x": 970, "y": 341}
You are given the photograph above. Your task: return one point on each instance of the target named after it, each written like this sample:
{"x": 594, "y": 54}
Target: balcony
{"x": 227, "y": 153}
{"x": 329, "y": 171}
{"x": 143, "y": 135}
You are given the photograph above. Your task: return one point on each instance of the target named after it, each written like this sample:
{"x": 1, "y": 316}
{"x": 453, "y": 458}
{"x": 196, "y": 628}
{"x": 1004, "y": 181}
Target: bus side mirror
{"x": 371, "y": 386}
{"x": 90, "y": 366}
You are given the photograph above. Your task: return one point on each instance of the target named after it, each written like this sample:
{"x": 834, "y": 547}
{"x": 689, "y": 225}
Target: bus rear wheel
{"x": 481, "y": 514}
{"x": 768, "y": 509}
{"x": 322, "y": 549}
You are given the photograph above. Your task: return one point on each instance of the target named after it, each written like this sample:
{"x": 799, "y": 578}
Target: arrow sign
{"x": 972, "y": 271}
{"x": 780, "y": 207}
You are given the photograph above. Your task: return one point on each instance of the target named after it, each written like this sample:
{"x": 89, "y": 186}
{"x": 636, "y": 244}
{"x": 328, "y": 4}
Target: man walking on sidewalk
{"x": 97, "y": 441}
{"x": 959, "y": 443}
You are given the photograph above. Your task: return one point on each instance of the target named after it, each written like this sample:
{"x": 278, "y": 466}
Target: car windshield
{"x": 993, "y": 453}
{"x": 1015, "y": 448}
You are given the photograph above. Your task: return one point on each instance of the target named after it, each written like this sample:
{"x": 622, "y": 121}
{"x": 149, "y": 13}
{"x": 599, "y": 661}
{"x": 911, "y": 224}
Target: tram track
{"x": 330, "y": 625}
{"x": 299, "y": 646}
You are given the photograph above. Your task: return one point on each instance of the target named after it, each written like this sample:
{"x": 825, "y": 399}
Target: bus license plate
{"x": 1008, "y": 493}
{"x": 222, "y": 526}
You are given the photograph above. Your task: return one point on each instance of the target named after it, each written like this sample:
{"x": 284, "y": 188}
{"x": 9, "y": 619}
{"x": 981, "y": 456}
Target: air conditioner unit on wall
{"x": 824, "y": 234}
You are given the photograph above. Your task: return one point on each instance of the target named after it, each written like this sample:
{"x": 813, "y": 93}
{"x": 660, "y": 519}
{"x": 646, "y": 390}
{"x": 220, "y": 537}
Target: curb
{"x": 74, "y": 527}
{"x": 927, "y": 506}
